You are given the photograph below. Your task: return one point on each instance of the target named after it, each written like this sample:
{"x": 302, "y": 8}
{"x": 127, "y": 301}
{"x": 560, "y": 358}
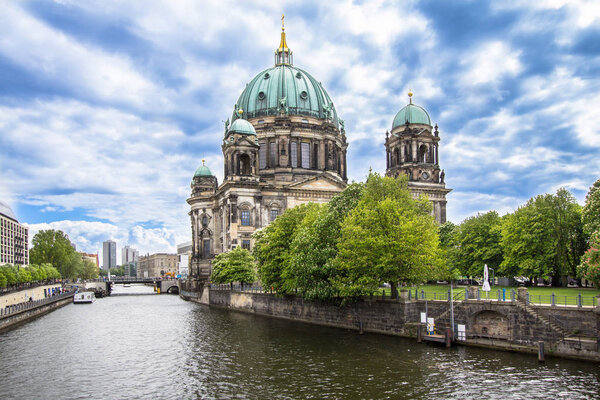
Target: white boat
{"x": 126, "y": 285}
{"x": 84, "y": 297}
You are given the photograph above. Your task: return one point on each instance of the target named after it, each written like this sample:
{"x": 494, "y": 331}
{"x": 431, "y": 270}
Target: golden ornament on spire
{"x": 203, "y": 161}
{"x": 283, "y": 47}
{"x": 410, "y": 95}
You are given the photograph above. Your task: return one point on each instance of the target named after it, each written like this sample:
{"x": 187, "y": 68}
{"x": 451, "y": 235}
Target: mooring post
{"x": 541, "y": 351}
{"x": 448, "y": 338}
{"x": 419, "y": 333}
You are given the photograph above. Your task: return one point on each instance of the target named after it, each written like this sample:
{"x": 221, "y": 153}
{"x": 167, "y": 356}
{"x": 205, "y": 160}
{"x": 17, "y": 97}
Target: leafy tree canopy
{"x": 272, "y": 246}
{"x": 54, "y": 247}
{"x": 477, "y": 242}
{"x": 590, "y": 262}
{"x": 591, "y": 210}
{"x": 388, "y": 237}
{"x": 236, "y": 265}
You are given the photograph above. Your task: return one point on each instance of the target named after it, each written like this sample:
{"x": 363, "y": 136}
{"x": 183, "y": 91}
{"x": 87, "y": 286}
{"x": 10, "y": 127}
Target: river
{"x": 161, "y": 347}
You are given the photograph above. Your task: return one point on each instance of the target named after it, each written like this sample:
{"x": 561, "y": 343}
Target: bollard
{"x": 503, "y": 294}
{"x": 579, "y": 300}
{"x": 422, "y": 294}
{"x": 499, "y": 298}
{"x": 419, "y": 333}
{"x": 553, "y": 299}
{"x": 448, "y": 338}
{"x": 478, "y": 294}
{"x": 466, "y": 294}
{"x": 541, "y": 351}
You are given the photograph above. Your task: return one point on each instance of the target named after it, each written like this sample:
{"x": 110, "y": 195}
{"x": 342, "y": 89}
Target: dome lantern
{"x": 283, "y": 54}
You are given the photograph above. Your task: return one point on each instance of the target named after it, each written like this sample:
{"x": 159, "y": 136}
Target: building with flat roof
{"x": 157, "y": 265}
{"x": 14, "y": 238}
{"x": 109, "y": 254}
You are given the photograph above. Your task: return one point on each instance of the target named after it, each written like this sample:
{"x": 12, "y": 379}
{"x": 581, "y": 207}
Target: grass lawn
{"x": 538, "y": 294}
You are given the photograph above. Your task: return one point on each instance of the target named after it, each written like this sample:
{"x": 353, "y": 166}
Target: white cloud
{"x": 490, "y": 62}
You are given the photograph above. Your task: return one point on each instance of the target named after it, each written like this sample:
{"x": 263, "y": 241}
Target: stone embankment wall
{"x": 36, "y": 293}
{"x": 566, "y": 331}
{"x": 13, "y": 319}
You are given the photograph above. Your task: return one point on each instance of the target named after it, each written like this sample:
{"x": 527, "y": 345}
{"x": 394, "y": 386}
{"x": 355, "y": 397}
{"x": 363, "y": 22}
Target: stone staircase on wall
{"x": 554, "y": 326}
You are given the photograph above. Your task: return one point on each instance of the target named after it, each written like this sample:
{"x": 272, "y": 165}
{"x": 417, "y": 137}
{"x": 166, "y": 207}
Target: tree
{"x": 54, "y": 247}
{"x": 477, "y": 242}
{"x": 591, "y": 210}
{"x": 88, "y": 270}
{"x": 544, "y": 237}
{"x": 272, "y": 246}
{"x": 447, "y": 233}
{"x": 23, "y": 275}
{"x": 3, "y": 279}
{"x": 311, "y": 269}
{"x": 10, "y": 272}
{"x": 236, "y": 265}
{"x": 387, "y": 238}
{"x": 590, "y": 262}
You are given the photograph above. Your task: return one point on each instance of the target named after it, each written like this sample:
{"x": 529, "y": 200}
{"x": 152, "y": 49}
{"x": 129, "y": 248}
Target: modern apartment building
{"x": 14, "y": 238}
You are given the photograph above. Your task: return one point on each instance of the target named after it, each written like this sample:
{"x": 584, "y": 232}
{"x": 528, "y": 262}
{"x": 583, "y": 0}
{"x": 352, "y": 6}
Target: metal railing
{"x": 237, "y": 287}
{"x": 28, "y": 305}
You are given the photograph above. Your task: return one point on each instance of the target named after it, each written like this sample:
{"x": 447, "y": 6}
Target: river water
{"x": 161, "y": 347}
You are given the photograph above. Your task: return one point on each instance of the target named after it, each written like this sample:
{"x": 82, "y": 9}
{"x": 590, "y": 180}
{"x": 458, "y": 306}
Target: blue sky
{"x": 107, "y": 108}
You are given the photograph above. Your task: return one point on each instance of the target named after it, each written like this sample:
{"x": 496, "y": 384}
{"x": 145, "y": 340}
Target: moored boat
{"x": 84, "y": 297}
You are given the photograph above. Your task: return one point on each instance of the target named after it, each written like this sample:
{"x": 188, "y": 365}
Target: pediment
{"x": 319, "y": 183}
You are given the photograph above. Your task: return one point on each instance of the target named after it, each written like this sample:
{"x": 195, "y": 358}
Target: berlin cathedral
{"x": 285, "y": 146}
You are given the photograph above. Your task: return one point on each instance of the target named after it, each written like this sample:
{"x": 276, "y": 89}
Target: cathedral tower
{"x": 412, "y": 149}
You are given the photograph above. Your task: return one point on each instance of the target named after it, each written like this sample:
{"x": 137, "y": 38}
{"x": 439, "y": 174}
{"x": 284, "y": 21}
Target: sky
{"x": 107, "y": 107}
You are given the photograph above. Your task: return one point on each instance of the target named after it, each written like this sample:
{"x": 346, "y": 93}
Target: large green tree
{"x": 591, "y": 210}
{"x": 311, "y": 269}
{"x": 477, "y": 242}
{"x": 272, "y": 246}
{"x": 236, "y": 265}
{"x": 544, "y": 237}
{"x": 54, "y": 247}
{"x": 387, "y": 238}
{"x": 88, "y": 270}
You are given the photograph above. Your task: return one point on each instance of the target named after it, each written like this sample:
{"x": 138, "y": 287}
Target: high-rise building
{"x": 13, "y": 238}
{"x": 109, "y": 254}
{"x": 128, "y": 254}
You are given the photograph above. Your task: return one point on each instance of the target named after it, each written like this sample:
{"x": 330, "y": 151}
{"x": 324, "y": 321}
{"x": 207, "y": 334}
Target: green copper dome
{"x": 203, "y": 170}
{"x": 288, "y": 89}
{"x": 242, "y": 126}
{"x": 412, "y": 113}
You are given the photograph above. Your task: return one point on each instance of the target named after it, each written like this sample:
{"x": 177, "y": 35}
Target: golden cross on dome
{"x": 282, "y": 26}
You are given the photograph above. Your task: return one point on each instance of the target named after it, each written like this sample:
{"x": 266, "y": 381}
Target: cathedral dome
{"x": 203, "y": 170}
{"x": 411, "y": 113}
{"x": 284, "y": 89}
{"x": 301, "y": 92}
{"x": 242, "y": 126}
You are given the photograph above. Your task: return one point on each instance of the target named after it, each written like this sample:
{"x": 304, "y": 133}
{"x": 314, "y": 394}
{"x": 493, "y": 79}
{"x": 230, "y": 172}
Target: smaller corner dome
{"x": 412, "y": 113}
{"x": 242, "y": 126}
{"x": 203, "y": 170}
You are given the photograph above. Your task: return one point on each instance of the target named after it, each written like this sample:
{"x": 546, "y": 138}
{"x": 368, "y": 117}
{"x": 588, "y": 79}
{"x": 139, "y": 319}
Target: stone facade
{"x": 412, "y": 149}
{"x": 501, "y": 325}
{"x": 157, "y": 265}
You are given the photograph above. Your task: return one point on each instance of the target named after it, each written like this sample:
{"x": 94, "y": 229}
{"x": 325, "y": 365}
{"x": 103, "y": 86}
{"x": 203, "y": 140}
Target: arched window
{"x": 396, "y": 159}
{"x": 245, "y": 167}
{"x": 423, "y": 153}
{"x": 204, "y": 221}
